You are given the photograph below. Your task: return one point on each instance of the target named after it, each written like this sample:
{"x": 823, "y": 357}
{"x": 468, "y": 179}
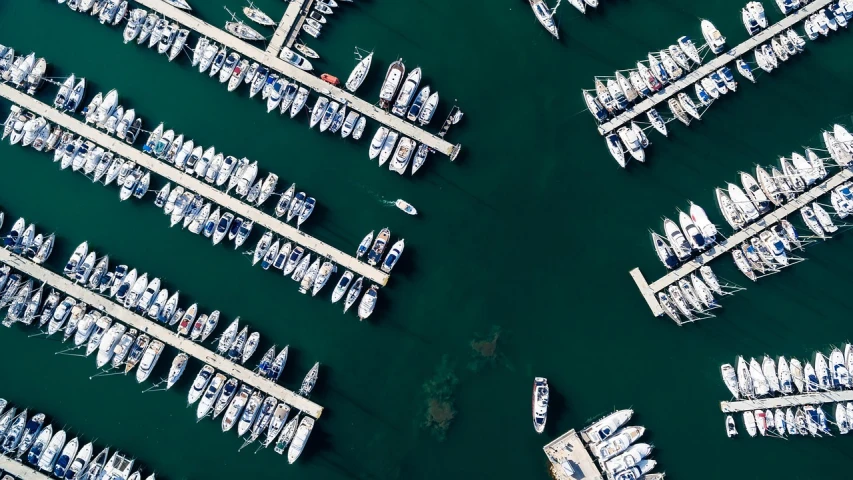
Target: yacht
{"x": 759, "y": 381}
{"x": 392, "y": 81}
{"x": 359, "y": 73}
{"x": 300, "y": 439}
{"x": 755, "y": 193}
{"x": 676, "y": 239}
{"x": 616, "y": 149}
{"x": 823, "y": 218}
{"x": 393, "y": 256}
{"x": 211, "y": 394}
{"x": 375, "y": 253}
{"x": 665, "y": 253}
{"x": 149, "y": 359}
{"x": 545, "y": 16}
{"x": 606, "y": 427}
{"x": 407, "y": 92}
{"x": 632, "y": 143}
{"x": 368, "y": 302}
{"x": 749, "y": 22}
{"x": 540, "y": 403}
{"x": 295, "y": 59}
{"x": 402, "y": 155}
{"x": 745, "y": 70}
{"x": 691, "y": 231}
{"x": 743, "y": 204}
{"x": 594, "y": 106}
{"x": 256, "y": 15}
{"x": 243, "y": 31}
{"x": 716, "y": 41}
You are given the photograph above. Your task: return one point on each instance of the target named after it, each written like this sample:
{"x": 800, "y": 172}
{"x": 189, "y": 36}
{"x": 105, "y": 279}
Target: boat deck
{"x": 569, "y": 449}
{"x": 292, "y": 15}
{"x": 814, "y": 398}
{"x": 712, "y": 66}
{"x": 194, "y": 184}
{"x": 305, "y": 78}
{"x": 155, "y": 330}
{"x": 20, "y": 470}
{"x": 650, "y": 291}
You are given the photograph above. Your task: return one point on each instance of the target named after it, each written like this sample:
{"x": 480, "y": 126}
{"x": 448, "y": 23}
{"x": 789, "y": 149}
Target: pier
{"x": 305, "y": 78}
{"x": 570, "y": 459}
{"x": 195, "y": 350}
{"x": 650, "y": 290}
{"x": 293, "y": 14}
{"x": 189, "y": 182}
{"x": 712, "y": 66}
{"x": 20, "y": 470}
{"x": 813, "y": 398}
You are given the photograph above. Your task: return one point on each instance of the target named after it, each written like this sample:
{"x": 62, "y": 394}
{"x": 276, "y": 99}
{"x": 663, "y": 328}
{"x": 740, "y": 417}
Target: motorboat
{"x": 149, "y": 359}
{"x": 676, "y": 239}
{"x": 749, "y": 22}
{"x": 540, "y": 403}
{"x": 368, "y": 302}
{"x": 716, "y": 41}
{"x": 211, "y": 394}
{"x": 295, "y": 59}
{"x": 607, "y": 426}
{"x": 755, "y": 192}
{"x": 300, "y": 439}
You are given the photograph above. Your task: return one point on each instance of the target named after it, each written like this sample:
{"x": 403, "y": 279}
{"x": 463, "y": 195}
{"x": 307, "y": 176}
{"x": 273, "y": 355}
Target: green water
{"x": 530, "y": 233}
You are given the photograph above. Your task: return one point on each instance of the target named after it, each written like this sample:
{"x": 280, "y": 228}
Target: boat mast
{"x": 554, "y": 10}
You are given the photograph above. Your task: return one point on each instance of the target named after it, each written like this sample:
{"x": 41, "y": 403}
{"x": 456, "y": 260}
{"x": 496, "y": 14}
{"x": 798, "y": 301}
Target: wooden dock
{"x": 272, "y": 61}
{"x": 194, "y": 184}
{"x": 19, "y": 470}
{"x": 292, "y": 14}
{"x": 785, "y": 401}
{"x": 716, "y": 63}
{"x": 568, "y": 452}
{"x": 733, "y": 241}
{"x": 155, "y": 330}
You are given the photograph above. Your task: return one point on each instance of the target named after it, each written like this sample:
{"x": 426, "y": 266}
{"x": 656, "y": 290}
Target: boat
{"x": 305, "y": 49}
{"x": 300, "y": 439}
{"x": 256, "y": 15}
{"x": 545, "y": 16}
{"x": 759, "y": 381}
{"x": 200, "y": 384}
{"x": 607, "y": 426}
{"x": 295, "y": 59}
{"x": 540, "y": 403}
{"x": 211, "y": 394}
{"x": 182, "y": 4}
{"x": 676, "y": 239}
{"x": 368, "y": 302}
{"x": 250, "y": 413}
{"x": 823, "y": 218}
{"x": 350, "y": 123}
{"x": 751, "y": 25}
{"x": 243, "y": 31}
{"x": 742, "y": 202}
{"x": 51, "y": 451}
{"x": 79, "y": 463}
{"x": 392, "y": 81}
{"x": 149, "y": 359}
{"x": 716, "y": 41}
{"x": 67, "y": 454}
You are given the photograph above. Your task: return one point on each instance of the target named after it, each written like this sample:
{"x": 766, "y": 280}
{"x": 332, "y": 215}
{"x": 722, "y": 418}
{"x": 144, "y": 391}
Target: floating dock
{"x": 155, "y": 330}
{"x": 295, "y": 31}
{"x": 292, "y": 14}
{"x": 649, "y": 291}
{"x": 570, "y": 460}
{"x": 814, "y": 398}
{"x": 305, "y": 78}
{"x": 189, "y": 182}
{"x": 19, "y": 470}
{"x": 712, "y": 66}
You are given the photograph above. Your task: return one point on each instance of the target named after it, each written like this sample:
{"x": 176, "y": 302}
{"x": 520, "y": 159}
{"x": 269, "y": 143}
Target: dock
{"x": 155, "y": 330}
{"x": 272, "y": 60}
{"x": 292, "y": 14}
{"x": 785, "y": 401}
{"x": 189, "y": 182}
{"x": 570, "y": 460}
{"x": 712, "y": 66}
{"x": 20, "y": 470}
{"x": 650, "y": 290}
{"x": 295, "y": 31}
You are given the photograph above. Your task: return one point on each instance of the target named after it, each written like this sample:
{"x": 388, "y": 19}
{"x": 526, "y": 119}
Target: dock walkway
{"x": 814, "y": 398}
{"x": 20, "y": 470}
{"x": 712, "y": 66}
{"x": 650, "y": 290}
{"x": 568, "y": 451}
{"x": 159, "y": 332}
{"x": 233, "y": 204}
{"x": 305, "y": 78}
{"x": 291, "y": 15}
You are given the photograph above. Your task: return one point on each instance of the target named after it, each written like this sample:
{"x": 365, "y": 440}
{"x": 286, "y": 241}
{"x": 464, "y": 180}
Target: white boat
{"x": 368, "y": 302}
{"x": 616, "y": 149}
{"x": 694, "y": 236}
{"x": 541, "y": 396}
{"x": 295, "y": 59}
{"x": 407, "y": 92}
{"x": 257, "y": 16}
{"x": 824, "y": 219}
{"x": 300, "y": 439}
{"x": 392, "y": 81}
{"x": 545, "y": 16}
{"x": 606, "y": 427}
{"x": 149, "y": 359}
{"x": 759, "y": 381}
{"x": 200, "y": 384}
{"x": 749, "y": 423}
{"x": 182, "y": 4}
{"x": 243, "y": 31}
{"x": 359, "y": 73}
{"x": 676, "y": 239}
{"x": 211, "y": 394}
{"x": 716, "y": 40}
{"x": 742, "y": 202}
{"x": 428, "y": 109}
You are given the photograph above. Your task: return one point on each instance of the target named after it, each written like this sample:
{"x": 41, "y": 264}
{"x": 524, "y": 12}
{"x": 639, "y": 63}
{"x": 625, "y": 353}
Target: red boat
{"x": 331, "y": 79}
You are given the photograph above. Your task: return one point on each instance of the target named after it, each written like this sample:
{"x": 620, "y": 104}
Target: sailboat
{"x": 359, "y": 73}
{"x": 545, "y": 16}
